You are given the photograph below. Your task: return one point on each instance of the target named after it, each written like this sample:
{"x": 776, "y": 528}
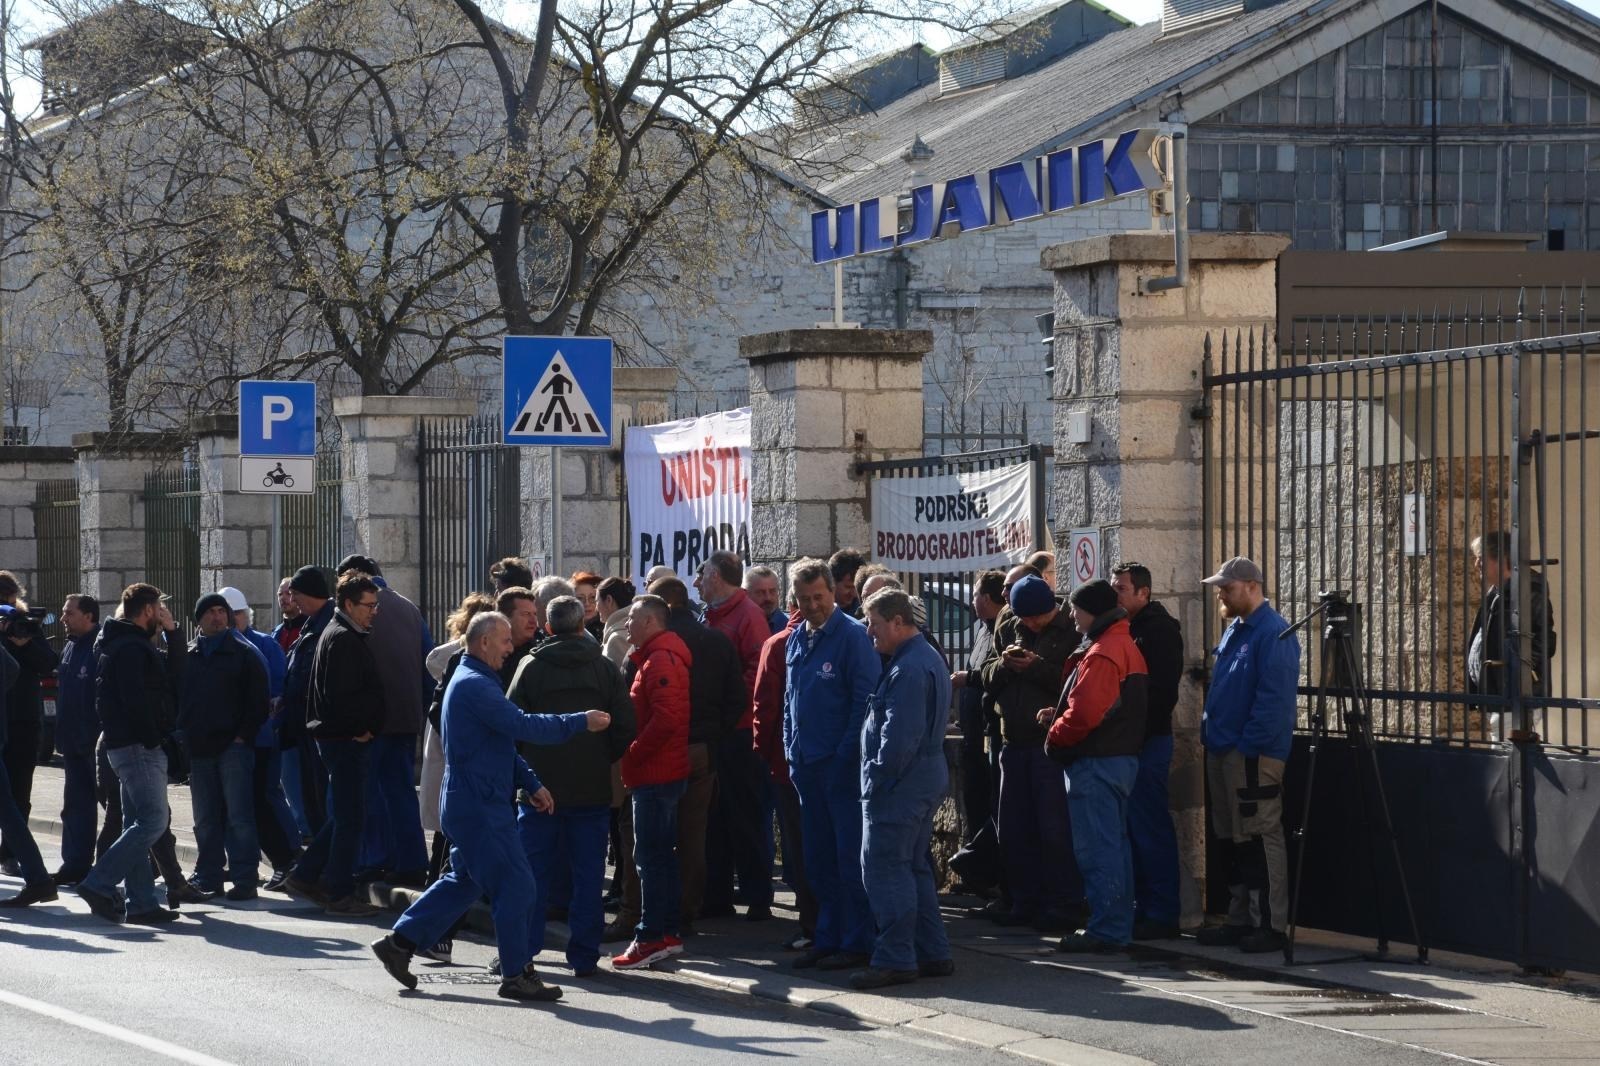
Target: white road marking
{"x": 115, "y": 1032}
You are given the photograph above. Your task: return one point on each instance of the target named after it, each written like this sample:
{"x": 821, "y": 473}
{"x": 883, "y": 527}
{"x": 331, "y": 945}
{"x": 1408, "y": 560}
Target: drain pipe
{"x": 1180, "y": 215}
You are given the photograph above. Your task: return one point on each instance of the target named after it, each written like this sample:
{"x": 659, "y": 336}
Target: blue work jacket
{"x": 1251, "y": 703}
{"x": 902, "y": 741}
{"x": 482, "y": 770}
{"x": 831, "y": 673}
{"x": 77, "y": 721}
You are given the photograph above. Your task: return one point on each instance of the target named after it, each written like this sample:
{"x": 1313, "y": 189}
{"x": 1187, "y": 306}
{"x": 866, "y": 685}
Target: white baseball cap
{"x": 235, "y": 598}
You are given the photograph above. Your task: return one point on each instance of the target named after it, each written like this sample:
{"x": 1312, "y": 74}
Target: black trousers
{"x": 739, "y": 833}
{"x": 21, "y": 755}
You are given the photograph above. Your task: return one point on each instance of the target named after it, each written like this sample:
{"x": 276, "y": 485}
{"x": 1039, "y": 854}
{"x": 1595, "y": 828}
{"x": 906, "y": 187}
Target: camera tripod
{"x": 1341, "y": 670}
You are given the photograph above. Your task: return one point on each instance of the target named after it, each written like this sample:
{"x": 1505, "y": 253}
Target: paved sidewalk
{"x": 1007, "y": 992}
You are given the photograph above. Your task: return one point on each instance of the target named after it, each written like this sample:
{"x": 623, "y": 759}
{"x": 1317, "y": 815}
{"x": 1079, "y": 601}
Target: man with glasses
{"x": 345, "y": 710}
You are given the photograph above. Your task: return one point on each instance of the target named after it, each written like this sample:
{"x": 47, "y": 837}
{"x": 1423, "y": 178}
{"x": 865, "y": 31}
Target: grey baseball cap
{"x": 1236, "y": 569}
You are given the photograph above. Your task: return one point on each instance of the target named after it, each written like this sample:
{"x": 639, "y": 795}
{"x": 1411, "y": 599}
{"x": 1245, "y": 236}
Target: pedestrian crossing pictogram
{"x": 558, "y": 391}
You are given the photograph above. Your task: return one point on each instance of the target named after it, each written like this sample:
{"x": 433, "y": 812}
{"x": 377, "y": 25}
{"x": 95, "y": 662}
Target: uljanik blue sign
{"x": 1067, "y": 178}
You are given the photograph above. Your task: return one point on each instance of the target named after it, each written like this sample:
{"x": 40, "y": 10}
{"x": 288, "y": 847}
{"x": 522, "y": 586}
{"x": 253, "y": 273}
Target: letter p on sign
{"x": 274, "y": 409}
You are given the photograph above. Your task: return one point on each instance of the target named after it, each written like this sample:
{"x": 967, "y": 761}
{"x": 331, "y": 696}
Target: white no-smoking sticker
{"x": 1083, "y": 555}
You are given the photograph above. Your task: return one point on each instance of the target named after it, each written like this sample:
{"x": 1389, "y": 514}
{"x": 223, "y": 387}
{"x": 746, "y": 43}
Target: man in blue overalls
{"x": 903, "y": 778}
{"x": 481, "y": 769}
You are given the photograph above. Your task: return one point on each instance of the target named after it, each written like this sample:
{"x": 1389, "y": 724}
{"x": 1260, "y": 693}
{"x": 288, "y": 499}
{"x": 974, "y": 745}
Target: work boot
{"x": 395, "y": 959}
{"x": 1262, "y": 941}
{"x": 844, "y": 960}
{"x": 1082, "y": 943}
{"x": 937, "y": 968}
{"x": 351, "y": 906}
{"x": 241, "y": 893}
{"x": 874, "y": 977}
{"x": 101, "y": 905}
{"x": 1222, "y": 936}
{"x": 42, "y": 892}
{"x": 616, "y": 930}
{"x": 528, "y": 987}
{"x": 154, "y": 916}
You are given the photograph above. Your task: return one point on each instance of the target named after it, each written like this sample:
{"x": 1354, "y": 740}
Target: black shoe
{"x": 307, "y": 890}
{"x": 351, "y": 906}
{"x": 1222, "y": 936}
{"x": 42, "y": 892}
{"x": 187, "y": 892}
{"x": 410, "y": 879}
{"x": 1262, "y": 941}
{"x": 844, "y": 960}
{"x": 991, "y": 910}
{"x": 810, "y": 958}
{"x": 103, "y": 906}
{"x": 872, "y": 977}
{"x": 1054, "y": 921}
{"x": 241, "y": 893}
{"x": 157, "y": 916}
{"x": 67, "y": 878}
{"x": 801, "y": 941}
{"x": 1082, "y": 943}
{"x": 615, "y": 931}
{"x": 718, "y": 910}
{"x": 937, "y": 968}
{"x": 1145, "y": 929}
{"x": 444, "y": 951}
{"x": 395, "y": 959}
{"x": 494, "y": 967}
{"x": 759, "y": 912}
{"x": 275, "y": 882}
{"x": 526, "y": 986}
{"x": 11, "y": 868}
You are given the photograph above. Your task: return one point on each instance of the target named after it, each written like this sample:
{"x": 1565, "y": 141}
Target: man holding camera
{"x": 24, "y": 704}
{"x": 1248, "y": 728}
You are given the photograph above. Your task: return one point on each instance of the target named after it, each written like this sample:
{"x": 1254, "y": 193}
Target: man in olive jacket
{"x": 568, "y": 674}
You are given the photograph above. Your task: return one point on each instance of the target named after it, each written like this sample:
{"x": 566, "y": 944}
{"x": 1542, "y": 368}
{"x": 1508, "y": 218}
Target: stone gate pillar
{"x": 382, "y": 482}
{"x": 111, "y": 472}
{"x": 22, "y": 468}
{"x": 235, "y": 527}
{"x": 1132, "y": 363}
{"x": 820, "y": 401}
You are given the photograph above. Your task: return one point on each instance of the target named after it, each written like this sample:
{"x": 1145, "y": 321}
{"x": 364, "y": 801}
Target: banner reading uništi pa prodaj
{"x": 954, "y": 522}
{"x": 688, "y": 491}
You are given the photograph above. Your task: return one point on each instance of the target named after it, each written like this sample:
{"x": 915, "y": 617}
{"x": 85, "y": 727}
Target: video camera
{"x": 23, "y": 622}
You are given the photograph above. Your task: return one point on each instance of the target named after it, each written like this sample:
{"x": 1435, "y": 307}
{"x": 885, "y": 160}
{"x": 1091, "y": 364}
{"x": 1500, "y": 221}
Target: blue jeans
{"x": 1036, "y": 834}
{"x": 830, "y": 817}
{"x": 1155, "y": 842}
{"x": 491, "y": 863}
{"x": 78, "y": 814}
{"x": 142, "y": 773}
{"x": 223, "y": 790}
{"x": 392, "y": 838}
{"x": 573, "y": 839}
{"x": 289, "y": 774}
{"x": 655, "y": 842}
{"x": 331, "y": 859}
{"x": 897, "y": 871}
{"x": 1097, "y": 801}
{"x": 19, "y": 840}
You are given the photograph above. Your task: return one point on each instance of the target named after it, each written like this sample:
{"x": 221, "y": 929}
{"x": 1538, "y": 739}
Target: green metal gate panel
{"x": 55, "y": 530}
{"x": 172, "y": 535}
{"x": 312, "y": 524}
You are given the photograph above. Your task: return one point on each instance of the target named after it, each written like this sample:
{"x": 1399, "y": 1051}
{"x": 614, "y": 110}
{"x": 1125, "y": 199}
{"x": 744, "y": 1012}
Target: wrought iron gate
{"x": 55, "y": 530}
{"x": 471, "y": 509}
{"x": 1371, "y": 457}
{"x": 311, "y": 525}
{"x": 172, "y": 535}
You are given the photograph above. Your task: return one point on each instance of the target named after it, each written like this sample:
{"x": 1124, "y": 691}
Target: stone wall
{"x": 21, "y": 470}
{"x": 111, "y": 472}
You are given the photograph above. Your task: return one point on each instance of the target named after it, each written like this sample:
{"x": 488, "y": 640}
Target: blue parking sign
{"x": 557, "y": 391}
{"x": 278, "y": 418}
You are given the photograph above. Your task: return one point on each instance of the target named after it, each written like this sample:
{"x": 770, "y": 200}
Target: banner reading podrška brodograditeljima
{"x": 688, "y": 491}
{"x": 954, "y": 523}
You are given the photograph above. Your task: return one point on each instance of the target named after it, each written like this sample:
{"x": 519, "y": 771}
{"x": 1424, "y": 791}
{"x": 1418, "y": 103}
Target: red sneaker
{"x": 675, "y": 943}
{"x": 644, "y": 953}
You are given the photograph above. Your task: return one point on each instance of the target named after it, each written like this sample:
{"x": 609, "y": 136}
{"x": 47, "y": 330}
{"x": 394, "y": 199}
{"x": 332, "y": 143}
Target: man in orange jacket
{"x": 1096, "y": 731}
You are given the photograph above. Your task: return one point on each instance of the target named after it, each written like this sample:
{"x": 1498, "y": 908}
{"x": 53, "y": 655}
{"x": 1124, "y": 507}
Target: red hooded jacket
{"x": 659, "y": 753}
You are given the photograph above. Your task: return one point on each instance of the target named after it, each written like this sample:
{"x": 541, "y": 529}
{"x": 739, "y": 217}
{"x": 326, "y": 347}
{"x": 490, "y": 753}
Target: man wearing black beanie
{"x": 1096, "y": 731}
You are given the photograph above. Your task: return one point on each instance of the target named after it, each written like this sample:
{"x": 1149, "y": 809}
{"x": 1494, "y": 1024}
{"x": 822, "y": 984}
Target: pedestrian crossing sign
{"x": 557, "y": 391}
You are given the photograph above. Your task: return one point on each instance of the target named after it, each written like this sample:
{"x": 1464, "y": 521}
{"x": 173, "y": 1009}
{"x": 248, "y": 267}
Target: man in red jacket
{"x": 1096, "y": 732}
{"x": 654, "y": 769}
{"x": 771, "y": 678}
{"x": 739, "y": 831}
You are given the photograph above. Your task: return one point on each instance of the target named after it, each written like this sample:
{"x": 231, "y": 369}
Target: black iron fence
{"x": 55, "y": 530}
{"x": 172, "y": 534}
{"x": 470, "y": 509}
{"x": 948, "y": 596}
{"x": 1357, "y": 458}
{"x": 311, "y": 525}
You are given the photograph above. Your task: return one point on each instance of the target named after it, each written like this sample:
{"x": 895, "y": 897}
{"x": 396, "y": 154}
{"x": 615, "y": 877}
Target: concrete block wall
{"x": 235, "y": 528}
{"x": 21, "y": 470}
{"x": 1133, "y": 362}
{"x": 111, "y": 470}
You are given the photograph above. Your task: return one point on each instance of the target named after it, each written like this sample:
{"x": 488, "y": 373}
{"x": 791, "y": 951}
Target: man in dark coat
{"x": 1155, "y": 842}
{"x": 222, "y": 704}
{"x": 37, "y": 886}
{"x": 313, "y": 599}
{"x": 1488, "y": 653}
{"x": 77, "y": 729}
{"x": 25, "y": 703}
{"x": 344, "y": 712}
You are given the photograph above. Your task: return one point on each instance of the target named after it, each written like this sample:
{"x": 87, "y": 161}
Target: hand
{"x": 164, "y": 616}
{"x": 18, "y": 641}
{"x": 958, "y": 679}
{"x": 599, "y": 721}
{"x": 542, "y": 801}
{"x": 363, "y": 738}
{"x": 1045, "y": 716}
{"x": 1019, "y": 659}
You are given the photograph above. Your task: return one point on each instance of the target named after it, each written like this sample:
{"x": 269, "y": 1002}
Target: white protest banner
{"x": 953, "y": 522}
{"x": 689, "y": 491}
